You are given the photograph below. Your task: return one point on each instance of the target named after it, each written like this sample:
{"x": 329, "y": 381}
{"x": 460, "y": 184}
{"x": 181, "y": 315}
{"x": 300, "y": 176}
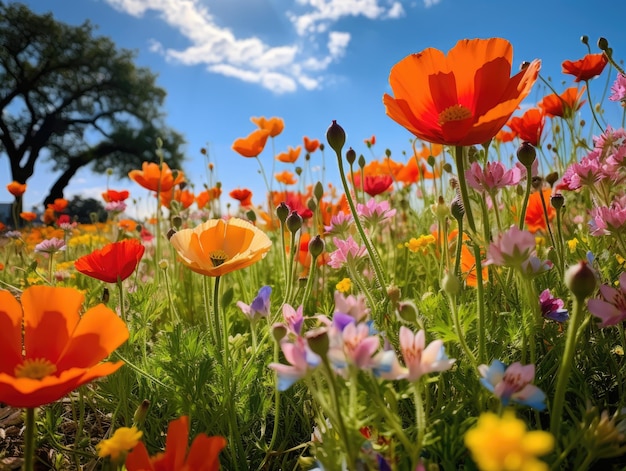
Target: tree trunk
{"x": 56, "y": 191}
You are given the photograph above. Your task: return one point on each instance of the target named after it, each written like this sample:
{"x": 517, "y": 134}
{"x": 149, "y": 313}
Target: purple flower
{"x": 619, "y": 88}
{"x": 552, "y": 308}
{"x": 513, "y": 384}
{"x": 353, "y": 345}
{"x": 611, "y": 308}
{"x": 293, "y": 318}
{"x": 353, "y": 306}
{"x": 50, "y": 246}
{"x": 260, "y": 306}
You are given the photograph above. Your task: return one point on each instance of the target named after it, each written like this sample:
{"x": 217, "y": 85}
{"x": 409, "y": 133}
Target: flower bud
{"x": 603, "y": 44}
{"x": 557, "y": 201}
{"x": 526, "y": 154}
{"x": 105, "y": 295}
{"x": 311, "y": 204}
{"x": 163, "y": 264}
{"x": 584, "y": 39}
{"x": 316, "y": 246}
{"x": 251, "y": 215}
{"x": 318, "y": 341}
{"x": 282, "y": 211}
{"x": 581, "y": 280}
{"x": 351, "y": 156}
{"x": 457, "y": 209}
{"x": 298, "y": 171}
{"x": 170, "y": 233}
{"x": 140, "y": 413}
{"x": 430, "y": 160}
{"x": 552, "y": 177}
{"x": 318, "y": 191}
{"x": 177, "y": 221}
{"x": 407, "y": 311}
{"x": 361, "y": 161}
{"x": 336, "y": 137}
{"x": 294, "y": 222}
{"x": 451, "y": 284}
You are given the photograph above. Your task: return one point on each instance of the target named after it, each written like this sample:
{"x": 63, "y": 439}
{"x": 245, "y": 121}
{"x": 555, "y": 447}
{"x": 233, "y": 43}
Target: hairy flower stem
{"x": 420, "y": 423}
{"x": 373, "y": 255}
{"x": 529, "y": 184}
{"x": 480, "y": 292}
{"x": 310, "y": 280}
{"x": 459, "y": 329}
{"x": 270, "y": 447}
{"x": 29, "y": 439}
{"x": 120, "y": 289}
{"x": 567, "y": 360}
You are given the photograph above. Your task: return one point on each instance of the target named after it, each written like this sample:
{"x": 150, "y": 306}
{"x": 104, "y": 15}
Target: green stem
{"x": 29, "y": 440}
{"x": 420, "y": 422}
{"x": 120, "y": 290}
{"x": 566, "y": 365}
{"x": 459, "y": 329}
{"x": 529, "y": 183}
{"x": 373, "y": 255}
{"x": 460, "y": 170}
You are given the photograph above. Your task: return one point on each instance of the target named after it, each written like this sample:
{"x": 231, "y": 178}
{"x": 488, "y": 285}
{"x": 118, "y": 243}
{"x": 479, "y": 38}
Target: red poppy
{"x": 311, "y": 145}
{"x": 112, "y": 196}
{"x": 114, "y": 262}
{"x": 370, "y": 142}
{"x": 563, "y": 105}
{"x": 463, "y": 98}
{"x": 203, "y": 455}
{"x": 373, "y": 184}
{"x": 251, "y": 145}
{"x": 529, "y": 126}
{"x": 586, "y": 68}
{"x": 243, "y": 195}
{"x": 48, "y": 348}
{"x": 294, "y": 200}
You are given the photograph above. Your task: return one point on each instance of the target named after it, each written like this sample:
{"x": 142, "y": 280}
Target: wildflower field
{"x": 461, "y": 306}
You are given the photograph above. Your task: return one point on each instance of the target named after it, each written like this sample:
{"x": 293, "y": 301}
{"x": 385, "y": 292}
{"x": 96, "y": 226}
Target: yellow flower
{"x": 344, "y": 285}
{"x": 571, "y": 244}
{"x": 503, "y": 443}
{"x": 123, "y": 440}
{"x": 421, "y": 243}
{"x": 217, "y": 247}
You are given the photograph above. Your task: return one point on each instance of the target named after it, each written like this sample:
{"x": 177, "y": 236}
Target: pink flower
{"x": 301, "y": 360}
{"x": 619, "y": 89}
{"x": 609, "y": 220}
{"x": 340, "y": 223}
{"x": 588, "y": 172}
{"x": 353, "y": 345}
{"x": 492, "y": 178}
{"x": 513, "y": 248}
{"x": 513, "y": 383}
{"x": 354, "y": 306}
{"x": 375, "y": 212}
{"x": 293, "y": 318}
{"x": 419, "y": 358}
{"x": 50, "y": 246}
{"x": 612, "y": 309}
{"x": 347, "y": 251}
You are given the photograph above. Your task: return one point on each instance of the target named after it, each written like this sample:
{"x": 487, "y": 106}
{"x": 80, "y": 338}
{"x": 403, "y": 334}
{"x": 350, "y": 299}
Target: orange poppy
{"x": 59, "y": 205}
{"x": 243, "y": 195}
{"x": 203, "y": 455}
{"x": 370, "y": 142}
{"x": 273, "y": 125}
{"x": 48, "y": 348}
{"x": 311, "y": 145}
{"x": 504, "y": 136}
{"x": 535, "y": 219}
{"x": 112, "y": 196}
{"x": 411, "y": 173}
{"x": 28, "y": 216}
{"x": 463, "y": 98}
{"x": 586, "y": 68}
{"x": 468, "y": 267}
{"x": 563, "y": 105}
{"x": 290, "y": 156}
{"x": 184, "y": 197}
{"x": 112, "y": 263}
{"x": 217, "y": 247}
{"x": 286, "y": 177}
{"x": 203, "y": 198}
{"x": 529, "y": 126}
{"x": 153, "y": 178}
{"x": 48, "y": 216}
{"x": 127, "y": 225}
{"x": 253, "y": 144}
{"x": 16, "y": 188}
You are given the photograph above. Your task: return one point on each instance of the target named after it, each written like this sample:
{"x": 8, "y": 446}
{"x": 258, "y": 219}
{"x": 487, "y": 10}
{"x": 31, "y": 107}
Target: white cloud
{"x": 281, "y": 68}
{"x": 430, "y": 3}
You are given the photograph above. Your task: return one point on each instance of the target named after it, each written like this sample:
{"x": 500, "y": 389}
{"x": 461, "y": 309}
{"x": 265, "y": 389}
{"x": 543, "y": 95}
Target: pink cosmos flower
{"x": 374, "y": 212}
{"x": 588, "y": 172}
{"x": 347, "y": 250}
{"x": 609, "y": 220}
{"x": 611, "y": 308}
{"x": 340, "y": 224}
{"x": 513, "y": 383}
{"x": 493, "y": 177}
{"x": 50, "y": 246}
{"x": 301, "y": 360}
{"x": 619, "y": 89}
{"x": 513, "y": 248}
{"x": 419, "y": 358}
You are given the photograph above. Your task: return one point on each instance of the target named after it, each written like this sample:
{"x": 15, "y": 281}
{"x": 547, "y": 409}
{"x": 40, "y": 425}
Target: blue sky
{"x": 308, "y": 62}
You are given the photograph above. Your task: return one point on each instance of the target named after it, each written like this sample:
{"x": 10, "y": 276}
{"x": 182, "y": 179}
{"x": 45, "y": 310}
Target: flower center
{"x": 218, "y": 257}
{"x": 454, "y": 113}
{"x": 36, "y": 368}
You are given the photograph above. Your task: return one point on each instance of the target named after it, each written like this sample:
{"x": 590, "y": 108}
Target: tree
{"x": 86, "y": 210}
{"x": 74, "y": 98}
